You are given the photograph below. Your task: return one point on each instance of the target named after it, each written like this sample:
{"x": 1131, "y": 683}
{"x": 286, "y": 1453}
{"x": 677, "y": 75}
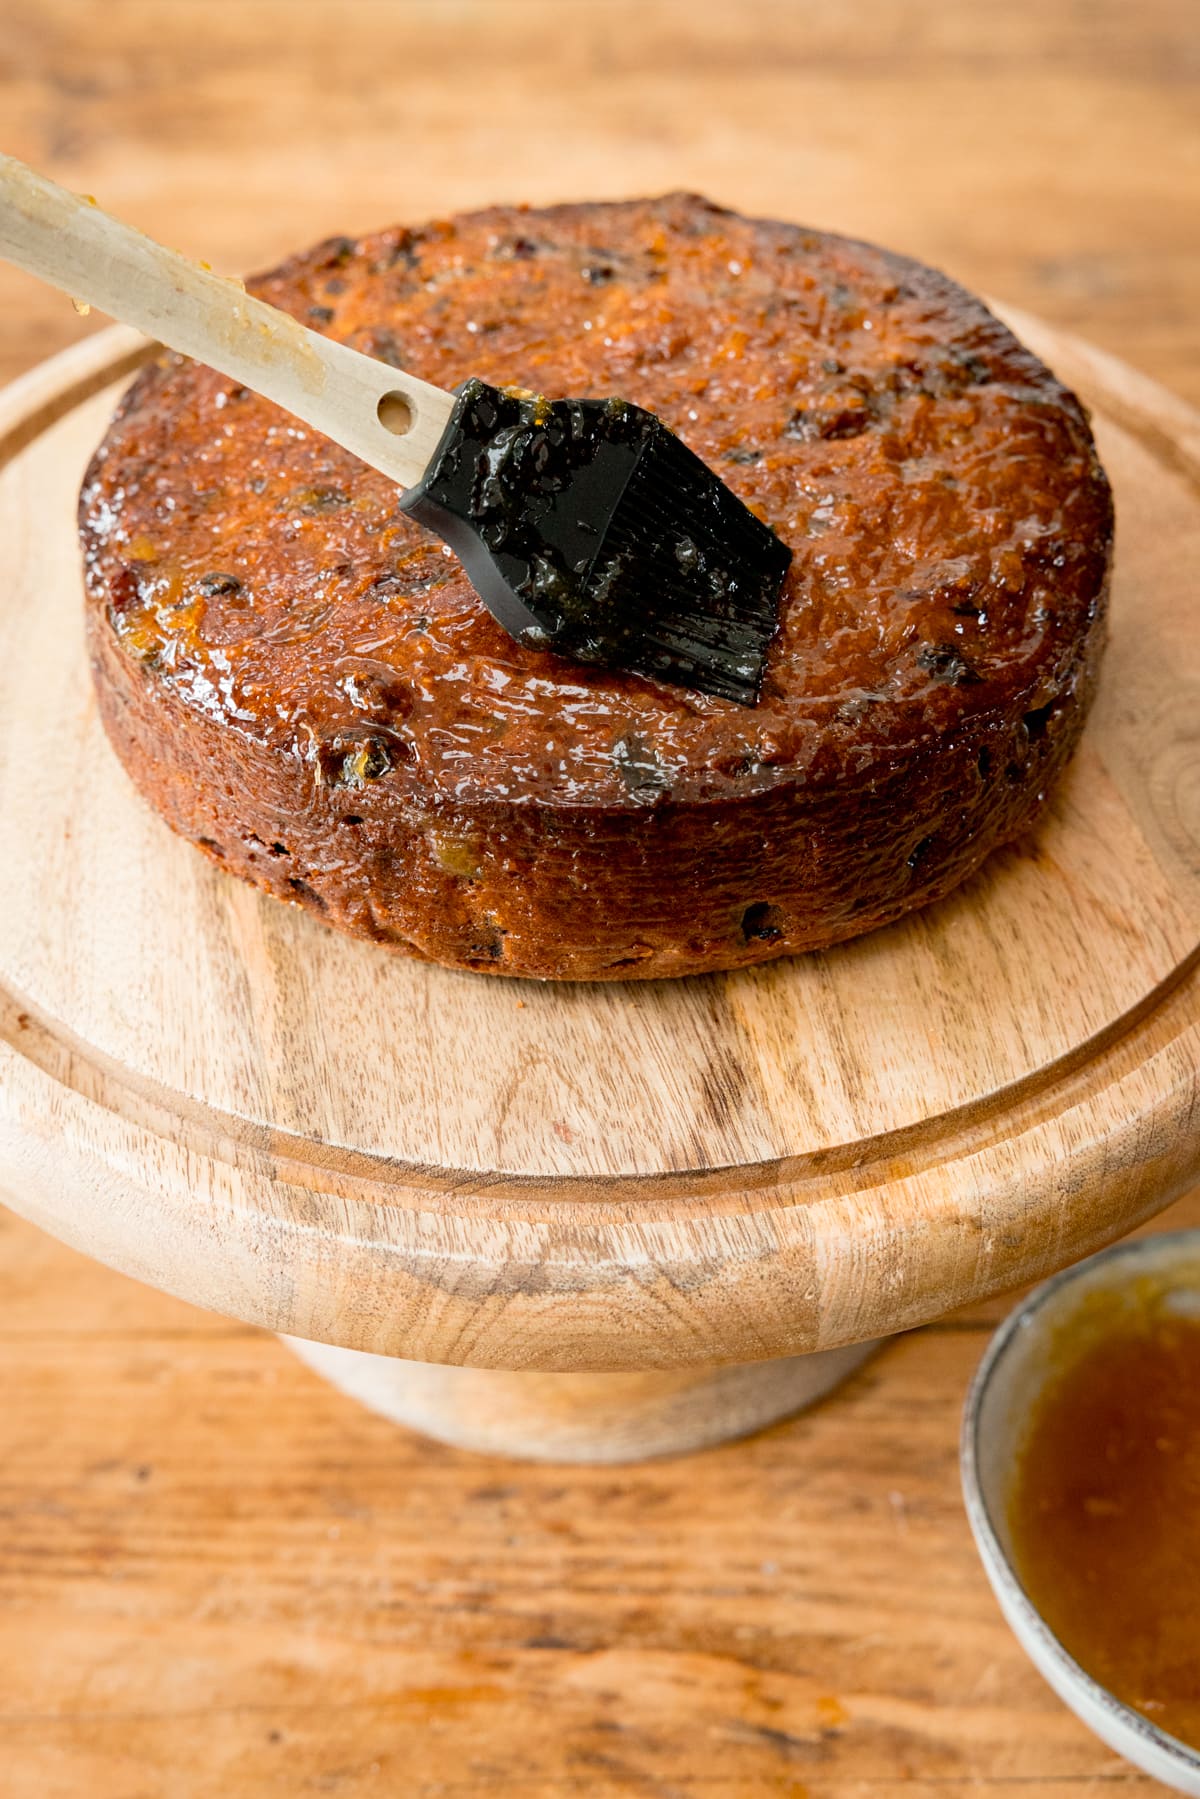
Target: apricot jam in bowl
{"x": 1081, "y": 1473}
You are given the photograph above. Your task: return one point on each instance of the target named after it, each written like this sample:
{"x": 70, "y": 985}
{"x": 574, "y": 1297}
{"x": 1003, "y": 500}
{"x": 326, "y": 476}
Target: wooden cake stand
{"x": 596, "y": 1222}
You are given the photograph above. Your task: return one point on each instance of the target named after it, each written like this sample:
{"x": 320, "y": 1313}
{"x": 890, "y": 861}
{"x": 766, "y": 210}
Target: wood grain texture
{"x": 211, "y": 1091}
{"x": 219, "y": 1577}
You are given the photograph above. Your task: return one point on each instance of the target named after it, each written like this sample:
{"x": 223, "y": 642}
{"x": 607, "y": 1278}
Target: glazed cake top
{"x": 949, "y": 520}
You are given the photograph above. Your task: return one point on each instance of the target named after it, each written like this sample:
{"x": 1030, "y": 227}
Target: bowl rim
{"x": 992, "y": 1553}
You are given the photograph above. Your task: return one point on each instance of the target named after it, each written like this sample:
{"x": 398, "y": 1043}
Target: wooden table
{"x": 217, "y": 1576}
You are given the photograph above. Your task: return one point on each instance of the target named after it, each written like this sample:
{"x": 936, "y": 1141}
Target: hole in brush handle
{"x": 396, "y": 414}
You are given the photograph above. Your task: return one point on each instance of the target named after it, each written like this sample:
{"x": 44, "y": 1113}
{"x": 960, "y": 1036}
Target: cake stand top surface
{"x": 212, "y": 1090}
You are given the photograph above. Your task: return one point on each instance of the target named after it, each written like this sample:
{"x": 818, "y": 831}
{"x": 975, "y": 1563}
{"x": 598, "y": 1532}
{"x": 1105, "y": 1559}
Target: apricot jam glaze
{"x": 1105, "y": 1507}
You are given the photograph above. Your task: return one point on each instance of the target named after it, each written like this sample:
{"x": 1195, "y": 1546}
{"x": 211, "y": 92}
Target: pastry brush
{"x": 586, "y": 526}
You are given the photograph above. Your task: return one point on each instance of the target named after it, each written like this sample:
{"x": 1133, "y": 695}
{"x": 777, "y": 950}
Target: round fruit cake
{"x": 303, "y": 682}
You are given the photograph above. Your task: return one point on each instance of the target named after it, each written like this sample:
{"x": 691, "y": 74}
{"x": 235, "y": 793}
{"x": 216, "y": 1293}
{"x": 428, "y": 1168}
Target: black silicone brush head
{"x": 590, "y": 529}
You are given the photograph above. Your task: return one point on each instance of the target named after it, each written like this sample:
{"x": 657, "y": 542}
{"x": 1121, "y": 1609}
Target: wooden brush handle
{"x": 389, "y": 419}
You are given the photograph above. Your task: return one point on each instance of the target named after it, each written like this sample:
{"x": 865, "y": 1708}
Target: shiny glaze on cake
{"x": 304, "y": 682}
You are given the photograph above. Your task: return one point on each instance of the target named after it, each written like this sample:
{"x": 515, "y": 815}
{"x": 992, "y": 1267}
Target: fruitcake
{"x": 303, "y": 682}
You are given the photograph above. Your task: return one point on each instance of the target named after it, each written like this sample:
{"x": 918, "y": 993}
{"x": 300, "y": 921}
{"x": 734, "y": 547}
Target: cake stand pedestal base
{"x": 582, "y": 1417}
